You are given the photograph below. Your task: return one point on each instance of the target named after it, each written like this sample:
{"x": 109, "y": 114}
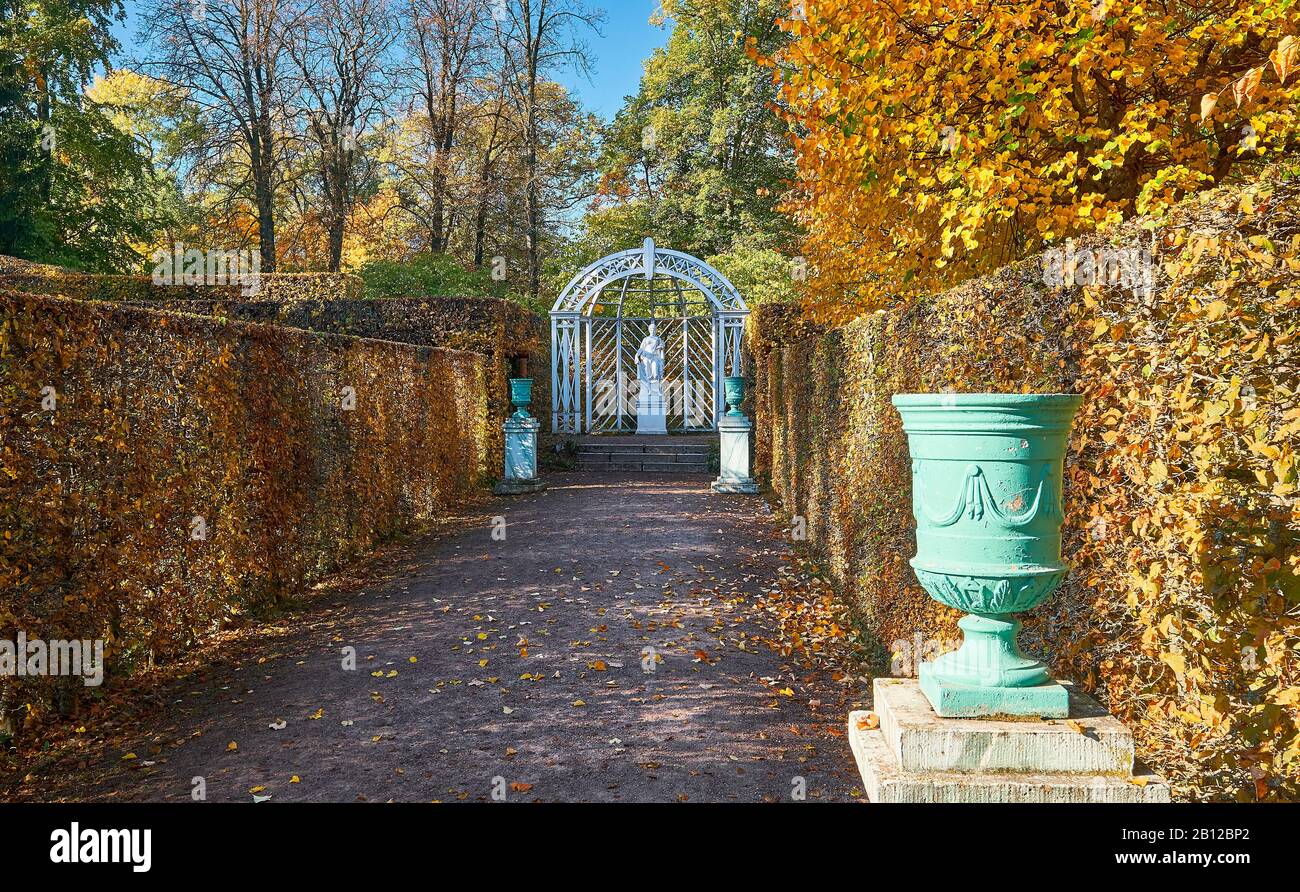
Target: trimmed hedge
{"x": 272, "y": 287}
{"x": 161, "y": 418}
{"x": 1182, "y": 611}
{"x": 498, "y": 328}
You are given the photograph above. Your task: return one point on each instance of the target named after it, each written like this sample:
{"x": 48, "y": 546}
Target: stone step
{"x": 667, "y": 467}
{"x": 885, "y": 781}
{"x": 621, "y": 449}
{"x": 1093, "y": 741}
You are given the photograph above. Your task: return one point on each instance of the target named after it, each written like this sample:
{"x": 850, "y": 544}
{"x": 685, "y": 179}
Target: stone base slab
{"x": 1093, "y": 742}
{"x": 1049, "y": 701}
{"x": 513, "y": 487}
{"x": 915, "y": 755}
{"x": 735, "y": 487}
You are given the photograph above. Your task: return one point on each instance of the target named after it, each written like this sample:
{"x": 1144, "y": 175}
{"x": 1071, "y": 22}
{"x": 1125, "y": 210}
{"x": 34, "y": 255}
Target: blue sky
{"x": 627, "y": 40}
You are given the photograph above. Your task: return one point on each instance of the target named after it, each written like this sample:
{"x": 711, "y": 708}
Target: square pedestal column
{"x": 651, "y": 411}
{"x": 915, "y": 755}
{"x": 521, "y": 457}
{"x": 733, "y": 431}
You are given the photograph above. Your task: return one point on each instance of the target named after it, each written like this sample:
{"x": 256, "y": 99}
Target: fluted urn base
{"x": 988, "y": 675}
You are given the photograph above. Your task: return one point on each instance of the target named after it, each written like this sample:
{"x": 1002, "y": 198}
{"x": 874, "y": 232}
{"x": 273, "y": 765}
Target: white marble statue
{"x": 651, "y": 417}
{"x": 650, "y": 358}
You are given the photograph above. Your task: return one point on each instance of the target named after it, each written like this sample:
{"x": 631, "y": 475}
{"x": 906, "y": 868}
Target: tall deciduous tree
{"x": 232, "y": 59}
{"x": 447, "y": 43}
{"x": 538, "y": 36}
{"x": 699, "y": 156}
{"x": 339, "y": 52}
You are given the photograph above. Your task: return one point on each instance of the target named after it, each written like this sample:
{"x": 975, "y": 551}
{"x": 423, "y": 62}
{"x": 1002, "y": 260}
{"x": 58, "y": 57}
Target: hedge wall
{"x": 16, "y": 275}
{"x": 160, "y": 418}
{"x": 502, "y": 329}
{"x": 1182, "y": 612}
{"x": 332, "y": 302}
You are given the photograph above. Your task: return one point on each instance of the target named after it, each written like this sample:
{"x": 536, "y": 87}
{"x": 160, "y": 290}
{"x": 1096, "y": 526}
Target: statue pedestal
{"x": 521, "y": 457}
{"x": 915, "y": 755}
{"x": 733, "y": 431}
{"x": 651, "y": 414}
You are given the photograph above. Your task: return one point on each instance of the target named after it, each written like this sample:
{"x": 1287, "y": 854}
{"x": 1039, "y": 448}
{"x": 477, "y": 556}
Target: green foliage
{"x": 74, "y": 189}
{"x": 428, "y": 275}
{"x": 762, "y": 275}
{"x": 698, "y": 158}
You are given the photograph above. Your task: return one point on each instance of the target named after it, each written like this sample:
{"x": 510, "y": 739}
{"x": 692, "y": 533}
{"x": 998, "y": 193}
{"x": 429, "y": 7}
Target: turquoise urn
{"x": 987, "y": 474}
{"x": 521, "y": 395}
{"x": 733, "y": 387}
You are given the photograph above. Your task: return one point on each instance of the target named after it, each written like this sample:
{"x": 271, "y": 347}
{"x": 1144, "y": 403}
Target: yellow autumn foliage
{"x": 936, "y": 141}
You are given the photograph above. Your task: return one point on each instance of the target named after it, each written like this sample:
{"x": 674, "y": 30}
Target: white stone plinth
{"x": 733, "y": 433}
{"x": 915, "y": 755}
{"x": 651, "y": 411}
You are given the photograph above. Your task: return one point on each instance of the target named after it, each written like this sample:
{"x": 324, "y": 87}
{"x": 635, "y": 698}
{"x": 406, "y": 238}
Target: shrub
{"x": 1182, "y": 611}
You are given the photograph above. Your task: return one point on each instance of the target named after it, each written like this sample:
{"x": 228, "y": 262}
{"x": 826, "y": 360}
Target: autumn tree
{"x": 339, "y": 52}
{"x": 447, "y": 44}
{"x": 232, "y": 59}
{"x": 537, "y": 36}
{"x": 939, "y": 141}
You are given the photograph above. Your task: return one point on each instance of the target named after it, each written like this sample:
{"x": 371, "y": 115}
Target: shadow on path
{"x": 518, "y": 665}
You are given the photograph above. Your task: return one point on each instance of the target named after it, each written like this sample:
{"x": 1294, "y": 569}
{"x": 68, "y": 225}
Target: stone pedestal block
{"x": 521, "y": 457}
{"x": 733, "y": 431}
{"x": 915, "y": 755}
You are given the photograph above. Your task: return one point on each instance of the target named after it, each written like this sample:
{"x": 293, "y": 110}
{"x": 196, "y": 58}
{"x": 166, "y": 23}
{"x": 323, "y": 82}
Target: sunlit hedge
{"x": 166, "y": 426}
{"x": 1182, "y": 611}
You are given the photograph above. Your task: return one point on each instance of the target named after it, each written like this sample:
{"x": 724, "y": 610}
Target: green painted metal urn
{"x": 987, "y": 475}
{"x": 521, "y": 396}
{"x": 733, "y": 387}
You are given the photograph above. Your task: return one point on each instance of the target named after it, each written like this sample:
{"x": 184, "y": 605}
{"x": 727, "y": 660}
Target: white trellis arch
{"x": 597, "y": 324}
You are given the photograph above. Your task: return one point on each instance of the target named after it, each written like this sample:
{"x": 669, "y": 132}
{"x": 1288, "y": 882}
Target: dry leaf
{"x": 1284, "y": 57}
{"x": 1244, "y": 88}
{"x": 1208, "y": 102}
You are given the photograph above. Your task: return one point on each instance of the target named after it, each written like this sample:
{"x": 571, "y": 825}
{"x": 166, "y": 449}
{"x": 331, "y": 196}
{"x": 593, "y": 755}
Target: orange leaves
{"x": 1244, "y": 87}
{"x": 1182, "y": 484}
{"x": 1284, "y": 57}
{"x": 169, "y": 416}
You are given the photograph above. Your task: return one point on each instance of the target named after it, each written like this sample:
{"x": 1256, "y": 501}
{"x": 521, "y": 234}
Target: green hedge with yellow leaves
{"x": 162, "y": 472}
{"x": 1182, "y": 612}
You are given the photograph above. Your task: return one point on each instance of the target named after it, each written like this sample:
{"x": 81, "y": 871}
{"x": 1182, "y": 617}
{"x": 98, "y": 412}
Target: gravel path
{"x": 603, "y": 651}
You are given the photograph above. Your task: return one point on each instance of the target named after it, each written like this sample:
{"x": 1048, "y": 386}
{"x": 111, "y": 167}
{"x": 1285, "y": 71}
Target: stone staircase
{"x": 664, "y": 455}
